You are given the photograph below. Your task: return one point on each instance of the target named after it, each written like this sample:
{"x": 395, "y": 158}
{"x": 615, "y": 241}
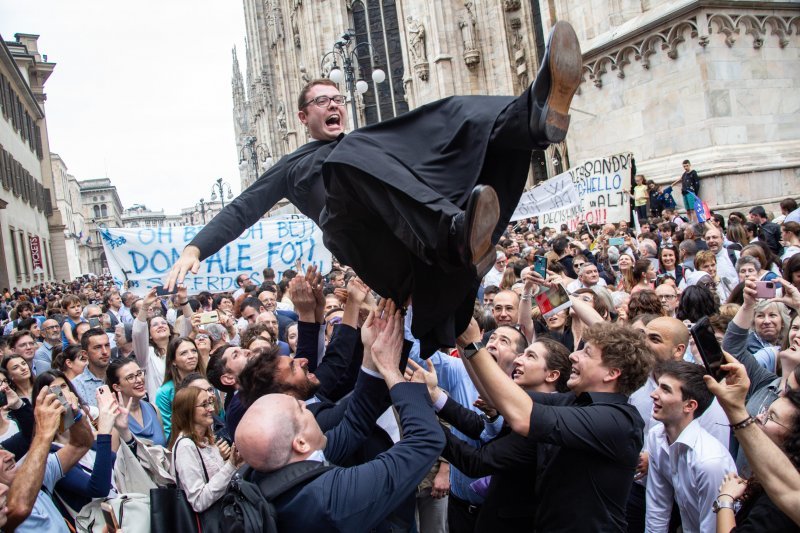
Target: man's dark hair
{"x": 690, "y": 376}
{"x": 268, "y": 273}
{"x": 557, "y": 358}
{"x": 758, "y": 211}
{"x": 788, "y": 204}
{"x": 219, "y": 297}
{"x": 17, "y": 336}
{"x": 24, "y": 306}
{"x": 491, "y": 289}
{"x": 560, "y": 244}
{"x": 92, "y": 332}
{"x": 623, "y": 348}
{"x": 250, "y": 301}
{"x": 217, "y": 367}
{"x": 303, "y": 98}
{"x": 522, "y": 340}
{"x": 258, "y": 377}
{"x": 686, "y": 162}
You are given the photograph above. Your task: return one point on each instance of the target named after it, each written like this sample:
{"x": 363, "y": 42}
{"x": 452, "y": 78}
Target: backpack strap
{"x": 284, "y": 479}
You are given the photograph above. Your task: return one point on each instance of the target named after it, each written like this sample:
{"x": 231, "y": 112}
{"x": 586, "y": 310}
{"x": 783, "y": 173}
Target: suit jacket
{"x": 512, "y": 460}
{"x": 338, "y": 371}
{"x": 361, "y": 497}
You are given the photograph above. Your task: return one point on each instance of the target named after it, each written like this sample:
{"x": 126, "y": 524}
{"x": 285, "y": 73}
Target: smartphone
{"x": 553, "y": 300}
{"x": 540, "y": 265}
{"x": 68, "y": 418}
{"x": 104, "y": 389}
{"x": 209, "y": 318}
{"x": 709, "y": 348}
{"x": 111, "y": 519}
{"x": 94, "y": 322}
{"x": 162, "y": 291}
{"x": 616, "y": 241}
{"x": 765, "y": 289}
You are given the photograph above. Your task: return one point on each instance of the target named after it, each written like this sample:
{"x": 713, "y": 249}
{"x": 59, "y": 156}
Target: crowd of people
{"x": 597, "y": 417}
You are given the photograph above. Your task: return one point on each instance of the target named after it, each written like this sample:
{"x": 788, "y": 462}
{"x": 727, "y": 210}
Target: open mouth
{"x": 333, "y": 120}
{"x": 518, "y": 372}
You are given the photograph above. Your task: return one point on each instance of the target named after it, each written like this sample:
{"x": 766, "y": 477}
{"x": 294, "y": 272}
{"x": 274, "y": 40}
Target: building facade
{"x": 712, "y": 81}
{"x": 101, "y": 209}
{"x": 200, "y": 213}
{"x": 25, "y": 203}
{"x": 138, "y": 216}
{"x": 67, "y": 223}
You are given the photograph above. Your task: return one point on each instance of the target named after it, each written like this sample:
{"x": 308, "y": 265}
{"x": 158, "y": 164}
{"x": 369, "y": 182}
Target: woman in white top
{"x": 197, "y": 463}
{"x": 151, "y": 338}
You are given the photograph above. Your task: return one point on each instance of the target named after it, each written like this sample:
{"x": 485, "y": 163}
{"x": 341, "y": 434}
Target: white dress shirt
{"x": 690, "y": 470}
{"x": 493, "y": 277}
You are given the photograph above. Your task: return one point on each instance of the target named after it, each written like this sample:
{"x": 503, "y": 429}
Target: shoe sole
{"x": 486, "y": 213}
{"x": 565, "y": 75}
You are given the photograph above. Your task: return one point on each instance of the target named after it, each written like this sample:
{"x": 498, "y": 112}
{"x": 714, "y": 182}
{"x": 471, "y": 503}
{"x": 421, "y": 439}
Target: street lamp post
{"x": 223, "y": 188}
{"x": 202, "y": 207}
{"x": 255, "y": 154}
{"x": 345, "y": 50}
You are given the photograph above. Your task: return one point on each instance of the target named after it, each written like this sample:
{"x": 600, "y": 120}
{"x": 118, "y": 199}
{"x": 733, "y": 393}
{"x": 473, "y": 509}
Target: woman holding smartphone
{"x": 127, "y": 379}
{"x": 197, "y": 463}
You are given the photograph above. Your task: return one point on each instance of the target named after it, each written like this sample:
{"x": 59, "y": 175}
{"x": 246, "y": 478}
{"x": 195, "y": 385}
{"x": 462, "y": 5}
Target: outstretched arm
{"x": 510, "y": 400}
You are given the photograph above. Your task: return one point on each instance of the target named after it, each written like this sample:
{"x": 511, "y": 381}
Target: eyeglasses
{"x": 3, "y": 382}
{"x": 323, "y": 101}
{"x": 206, "y": 404}
{"x": 26, "y": 344}
{"x": 131, "y": 378}
{"x": 158, "y": 322}
{"x": 667, "y": 297}
{"x": 577, "y": 265}
{"x": 765, "y": 416}
{"x": 201, "y": 337}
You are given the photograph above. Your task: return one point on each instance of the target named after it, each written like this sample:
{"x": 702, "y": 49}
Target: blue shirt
{"x": 87, "y": 384}
{"x": 454, "y": 379}
{"x": 43, "y": 358}
{"x": 45, "y": 517}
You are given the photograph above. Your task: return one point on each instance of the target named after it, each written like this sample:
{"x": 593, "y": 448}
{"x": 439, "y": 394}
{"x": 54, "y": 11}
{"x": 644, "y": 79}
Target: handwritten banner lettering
{"x": 602, "y": 186}
{"x": 144, "y": 256}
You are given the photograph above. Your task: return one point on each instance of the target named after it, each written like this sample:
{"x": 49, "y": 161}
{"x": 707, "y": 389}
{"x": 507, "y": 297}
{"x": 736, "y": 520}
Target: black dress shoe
{"x": 472, "y": 229}
{"x": 555, "y": 85}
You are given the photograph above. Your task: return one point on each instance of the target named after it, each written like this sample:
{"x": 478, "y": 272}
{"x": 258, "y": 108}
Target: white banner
{"x": 144, "y": 256}
{"x": 555, "y": 194}
{"x": 602, "y": 185}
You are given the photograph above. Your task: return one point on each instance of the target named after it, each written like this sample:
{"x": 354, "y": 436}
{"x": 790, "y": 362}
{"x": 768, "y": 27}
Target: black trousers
{"x": 461, "y": 515}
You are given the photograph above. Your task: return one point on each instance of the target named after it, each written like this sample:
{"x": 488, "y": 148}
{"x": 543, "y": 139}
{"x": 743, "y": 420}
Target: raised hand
{"x": 790, "y": 296}
{"x": 47, "y": 414}
{"x": 302, "y": 296}
{"x": 189, "y": 261}
{"x": 416, "y": 374}
{"x": 731, "y": 391}
{"x": 388, "y": 345}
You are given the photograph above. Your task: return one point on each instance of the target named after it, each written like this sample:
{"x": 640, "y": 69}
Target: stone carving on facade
{"x": 274, "y": 19}
{"x": 511, "y": 5}
{"x": 517, "y": 43}
{"x": 667, "y": 39}
{"x": 416, "y": 46}
{"x": 283, "y": 127}
{"x": 304, "y": 75}
{"x": 469, "y": 37}
{"x": 295, "y": 27}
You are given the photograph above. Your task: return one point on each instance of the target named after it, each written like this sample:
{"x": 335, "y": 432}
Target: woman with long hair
{"x": 198, "y": 466}
{"x": 151, "y": 337}
{"x": 781, "y": 423}
{"x": 644, "y": 274}
{"x": 625, "y": 279}
{"x": 183, "y": 358}
{"x": 71, "y": 362}
{"x": 695, "y": 303}
{"x": 127, "y": 380}
{"x": 668, "y": 263}
{"x": 737, "y": 235}
{"x": 20, "y": 376}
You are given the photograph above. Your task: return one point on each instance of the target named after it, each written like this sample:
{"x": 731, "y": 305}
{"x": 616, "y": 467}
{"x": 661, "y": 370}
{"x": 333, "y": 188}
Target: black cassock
{"x": 384, "y": 196}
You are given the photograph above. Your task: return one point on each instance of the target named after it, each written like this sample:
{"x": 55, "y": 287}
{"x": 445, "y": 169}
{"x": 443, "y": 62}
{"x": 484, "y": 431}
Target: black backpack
{"x": 247, "y": 504}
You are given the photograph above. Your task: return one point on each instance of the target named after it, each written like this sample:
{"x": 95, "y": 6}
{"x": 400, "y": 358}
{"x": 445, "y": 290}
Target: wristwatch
{"x": 471, "y": 349}
{"x": 717, "y": 505}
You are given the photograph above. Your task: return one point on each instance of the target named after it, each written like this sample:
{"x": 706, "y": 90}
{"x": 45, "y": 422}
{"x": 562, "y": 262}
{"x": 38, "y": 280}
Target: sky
{"x": 141, "y": 92}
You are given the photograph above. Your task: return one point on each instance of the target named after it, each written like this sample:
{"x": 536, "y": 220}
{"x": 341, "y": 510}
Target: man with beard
{"x": 428, "y": 193}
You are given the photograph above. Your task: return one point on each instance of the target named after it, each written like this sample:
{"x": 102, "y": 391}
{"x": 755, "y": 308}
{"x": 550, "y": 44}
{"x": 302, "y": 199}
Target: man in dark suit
{"x": 278, "y": 430}
{"x": 428, "y": 192}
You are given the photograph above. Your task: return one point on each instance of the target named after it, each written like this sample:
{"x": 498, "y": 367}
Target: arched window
{"x": 96, "y": 211}
{"x": 104, "y": 210}
{"x": 375, "y": 22}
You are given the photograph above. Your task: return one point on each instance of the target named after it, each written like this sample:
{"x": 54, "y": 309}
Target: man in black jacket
{"x": 598, "y": 433}
{"x": 428, "y": 192}
{"x": 770, "y": 230}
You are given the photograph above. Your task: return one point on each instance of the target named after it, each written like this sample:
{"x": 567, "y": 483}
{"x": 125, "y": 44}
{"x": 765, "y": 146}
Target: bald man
{"x": 668, "y": 339}
{"x": 278, "y": 436}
